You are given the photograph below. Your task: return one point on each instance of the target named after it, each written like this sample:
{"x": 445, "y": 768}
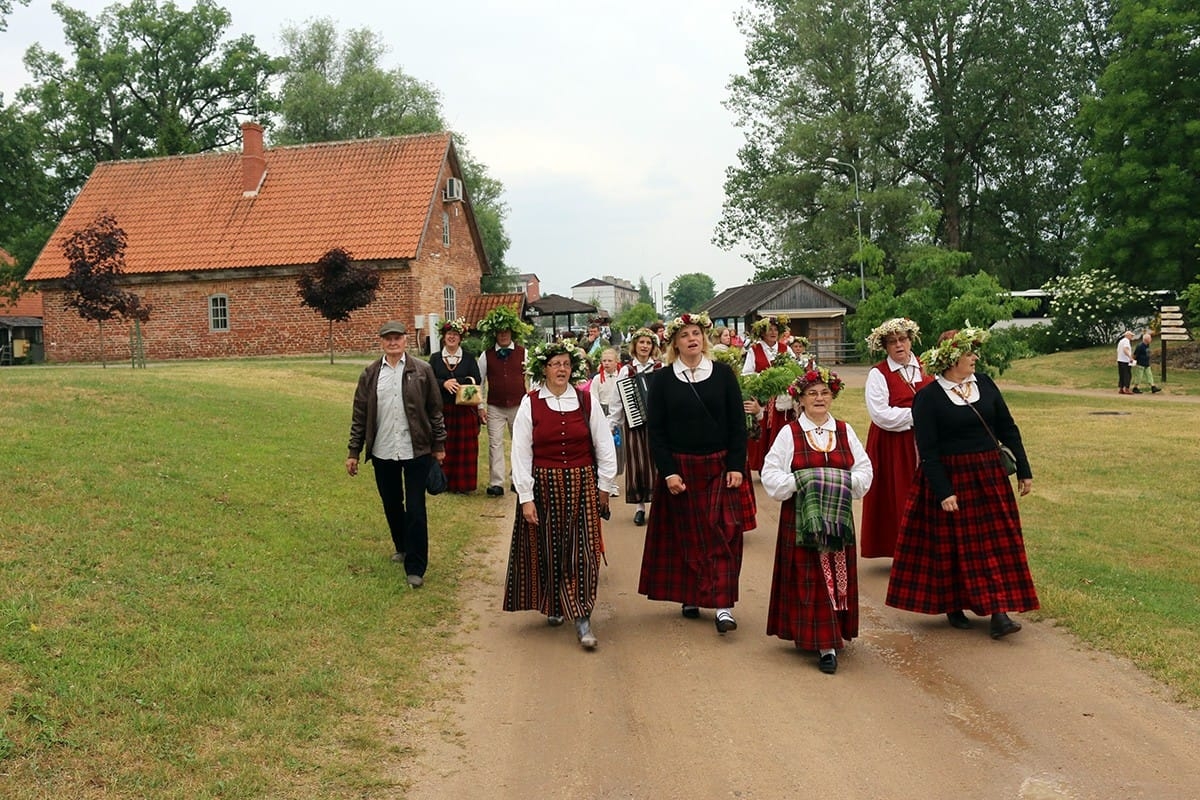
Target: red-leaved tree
{"x": 336, "y": 287}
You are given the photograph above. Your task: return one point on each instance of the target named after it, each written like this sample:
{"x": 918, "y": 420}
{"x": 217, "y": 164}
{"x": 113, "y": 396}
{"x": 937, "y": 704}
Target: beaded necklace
{"x": 812, "y": 437}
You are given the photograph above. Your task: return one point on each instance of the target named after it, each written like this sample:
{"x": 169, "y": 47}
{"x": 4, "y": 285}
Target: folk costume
{"x": 562, "y": 458}
{"x": 972, "y": 558}
{"x": 814, "y": 588}
{"x": 696, "y": 428}
{"x": 462, "y": 422}
{"x": 759, "y": 356}
{"x": 639, "y": 466}
{"x": 892, "y": 448}
{"x": 503, "y": 370}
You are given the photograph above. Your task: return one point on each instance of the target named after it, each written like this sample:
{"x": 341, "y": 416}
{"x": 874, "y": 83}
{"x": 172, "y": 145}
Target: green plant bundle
{"x": 770, "y": 382}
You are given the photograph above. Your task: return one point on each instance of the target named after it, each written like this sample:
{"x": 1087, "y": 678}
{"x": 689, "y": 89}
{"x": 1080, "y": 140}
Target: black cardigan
{"x": 679, "y": 421}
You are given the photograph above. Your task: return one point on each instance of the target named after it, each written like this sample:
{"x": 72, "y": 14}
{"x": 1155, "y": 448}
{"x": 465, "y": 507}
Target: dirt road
{"x": 666, "y": 708}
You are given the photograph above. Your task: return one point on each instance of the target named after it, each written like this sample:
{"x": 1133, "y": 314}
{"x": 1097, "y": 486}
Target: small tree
{"x": 95, "y": 260}
{"x": 689, "y": 292}
{"x": 335, "y": 287}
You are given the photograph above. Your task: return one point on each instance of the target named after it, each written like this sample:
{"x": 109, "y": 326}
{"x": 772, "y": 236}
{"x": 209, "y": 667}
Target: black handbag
{"x": 436, "y": 482}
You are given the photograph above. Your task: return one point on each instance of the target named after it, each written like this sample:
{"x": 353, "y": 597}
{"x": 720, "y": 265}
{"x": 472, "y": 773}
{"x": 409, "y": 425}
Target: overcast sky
{"x": 603, "y": 120}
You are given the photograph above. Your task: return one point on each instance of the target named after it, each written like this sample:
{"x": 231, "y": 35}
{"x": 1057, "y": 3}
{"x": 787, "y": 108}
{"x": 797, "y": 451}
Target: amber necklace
{"x": 817, "y": 440}
{"x": 964, "y": 390}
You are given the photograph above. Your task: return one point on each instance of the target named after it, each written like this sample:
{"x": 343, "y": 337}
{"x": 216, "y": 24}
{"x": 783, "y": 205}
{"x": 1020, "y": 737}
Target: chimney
{"x": 254, "y": 165}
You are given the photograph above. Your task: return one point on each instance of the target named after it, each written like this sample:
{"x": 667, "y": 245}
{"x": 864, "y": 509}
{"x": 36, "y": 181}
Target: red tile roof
{"x": 478, "y": 307}
{"x": 27, "y": 305}
{"x": 188, "y": 213}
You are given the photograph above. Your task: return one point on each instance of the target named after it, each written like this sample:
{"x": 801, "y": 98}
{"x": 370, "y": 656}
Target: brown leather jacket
{"x": 422, "y": 406}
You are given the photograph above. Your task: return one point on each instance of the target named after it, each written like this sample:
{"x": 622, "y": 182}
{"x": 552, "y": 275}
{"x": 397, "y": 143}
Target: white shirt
{"x": 777, "y": 478}
{"x": 888, "y": 417}
{"x": 393, "y": 442}
{"x": 616, "y": 409}
{"x": 702, "y": 372}
{"x": 522, "y": 441}
{"x": 1124, "y": 351}
{"x": 969, "y": 388}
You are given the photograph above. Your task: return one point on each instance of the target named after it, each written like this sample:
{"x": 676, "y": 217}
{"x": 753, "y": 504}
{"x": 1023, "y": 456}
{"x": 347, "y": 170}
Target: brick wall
{"x": 265, "y": 315}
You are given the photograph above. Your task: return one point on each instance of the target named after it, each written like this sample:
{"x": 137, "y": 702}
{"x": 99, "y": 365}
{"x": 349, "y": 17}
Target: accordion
{"x": 632, "y": 389}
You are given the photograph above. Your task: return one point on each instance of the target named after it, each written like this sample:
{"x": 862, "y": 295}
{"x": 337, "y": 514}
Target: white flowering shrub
{"x": 1094, "y": 307}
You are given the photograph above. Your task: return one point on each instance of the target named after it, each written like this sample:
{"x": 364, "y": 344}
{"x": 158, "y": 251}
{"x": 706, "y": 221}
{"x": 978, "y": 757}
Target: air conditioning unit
{"x": 453, "y": 190}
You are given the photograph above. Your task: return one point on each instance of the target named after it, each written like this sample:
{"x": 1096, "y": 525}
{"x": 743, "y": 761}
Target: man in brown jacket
{"x": 397, "y": 420}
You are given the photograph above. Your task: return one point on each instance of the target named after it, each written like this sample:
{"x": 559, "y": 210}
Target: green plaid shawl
{"x": 824, "y": 515}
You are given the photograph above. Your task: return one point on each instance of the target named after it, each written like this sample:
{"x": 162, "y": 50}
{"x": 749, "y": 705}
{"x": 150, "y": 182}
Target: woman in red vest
{"x": 454, "y": 367}
{"x": 891, "y": 386}
{"x": 760, "y": 355}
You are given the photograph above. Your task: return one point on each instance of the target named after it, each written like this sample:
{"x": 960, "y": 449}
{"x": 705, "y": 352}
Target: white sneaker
{"x": 583, "y": 628}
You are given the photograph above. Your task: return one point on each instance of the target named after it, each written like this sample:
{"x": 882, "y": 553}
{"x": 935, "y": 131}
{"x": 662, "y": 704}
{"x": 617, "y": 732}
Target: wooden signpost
{"x": 1171, "y": 329}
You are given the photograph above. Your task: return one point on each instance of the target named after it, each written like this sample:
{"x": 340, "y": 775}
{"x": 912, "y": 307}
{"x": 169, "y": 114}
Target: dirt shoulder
{"x": 666, "y": 708}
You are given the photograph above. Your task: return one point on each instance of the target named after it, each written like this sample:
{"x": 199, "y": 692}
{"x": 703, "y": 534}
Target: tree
{"x": 1142, "y": 175}
{"x": 645, "y": 294}
{"x": 29, "y": 199}
{"x": 335, "y": 88}
{"x": 6, "y": 7}
{"x": 95, "y": 260}
{"x": 638, "y": 315}
{"x": 689, "y": 292}
{"x": 145, "y": 80}
{"x": 336, "y": 286}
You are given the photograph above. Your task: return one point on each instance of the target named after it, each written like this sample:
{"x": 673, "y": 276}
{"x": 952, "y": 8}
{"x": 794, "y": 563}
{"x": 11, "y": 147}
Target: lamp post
{"x": 862, "y": 279}
{"x": 655, "y": 303}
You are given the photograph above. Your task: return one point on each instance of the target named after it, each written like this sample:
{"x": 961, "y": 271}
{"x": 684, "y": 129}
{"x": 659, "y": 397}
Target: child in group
{"x": 604, "y": 388}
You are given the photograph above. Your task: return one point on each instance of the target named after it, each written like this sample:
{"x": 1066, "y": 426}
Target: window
{"x": 445, "y": 229}
{"x": 449, "y": 302}
{"x": 218, "y": 312}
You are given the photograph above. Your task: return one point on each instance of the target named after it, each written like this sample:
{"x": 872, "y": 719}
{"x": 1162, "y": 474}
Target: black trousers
{"x": 401, "y": 486}
{"x": 1124, "y": 374}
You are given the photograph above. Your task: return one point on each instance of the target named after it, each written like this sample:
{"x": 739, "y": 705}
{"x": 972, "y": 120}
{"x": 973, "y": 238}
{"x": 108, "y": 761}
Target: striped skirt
{"x": 693, "y": 550}
{"x": 462, "y": 448}
{"x": 554, "y": 567}
{"x": 640, "y": 474}
{"x": 970, "y": 559}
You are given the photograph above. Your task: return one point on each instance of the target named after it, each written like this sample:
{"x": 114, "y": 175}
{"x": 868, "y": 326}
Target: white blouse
{"x": 777, "y": 478}
{"x": 522, "y": 440}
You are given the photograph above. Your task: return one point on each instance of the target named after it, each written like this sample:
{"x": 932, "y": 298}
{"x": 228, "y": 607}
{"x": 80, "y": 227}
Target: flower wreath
{"x": 458, "y": 325}
{"x": 816, "y": 374}
{"x": 780, "y": 321}
{"x": 801, "y": 339}
{"x": 674, "y": 326}
{"x": 644, "y": 333}
{"x": 503, "y": 318}
{"x": 954, "y": 347}
{"x": 893, "y": 327}
{"x": 538, "y": 356}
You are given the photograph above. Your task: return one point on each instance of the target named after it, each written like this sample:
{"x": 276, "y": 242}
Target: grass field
{"x": 196, "y": 601}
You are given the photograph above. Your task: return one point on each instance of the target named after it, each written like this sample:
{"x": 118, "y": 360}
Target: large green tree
{"x": 1142, "y": 176}
{"x": 689, "y": 292}
{"x": 30, "y": 201}
{"x": 144, "y": 79}
{"x": 6, "y": 7}
{"x": 334, "y": 87}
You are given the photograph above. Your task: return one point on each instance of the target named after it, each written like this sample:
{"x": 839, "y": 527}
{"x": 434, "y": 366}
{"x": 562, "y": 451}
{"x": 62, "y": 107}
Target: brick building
{"x": 217, "y": 241}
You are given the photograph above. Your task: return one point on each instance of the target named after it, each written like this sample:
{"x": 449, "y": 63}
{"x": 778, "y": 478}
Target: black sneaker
{"x": 495, "y": 491}
{"x": 1136, "y": 390}
{"x": 1155, "y": 389}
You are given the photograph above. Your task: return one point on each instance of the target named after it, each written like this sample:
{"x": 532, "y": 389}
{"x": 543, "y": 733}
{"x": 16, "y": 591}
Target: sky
{"x": 604, "y": 121}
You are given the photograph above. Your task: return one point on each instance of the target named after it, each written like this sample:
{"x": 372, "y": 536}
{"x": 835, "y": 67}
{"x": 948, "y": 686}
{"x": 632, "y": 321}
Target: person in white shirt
{"x": 563, "y": 464}
{"x": 1125, "y": 363}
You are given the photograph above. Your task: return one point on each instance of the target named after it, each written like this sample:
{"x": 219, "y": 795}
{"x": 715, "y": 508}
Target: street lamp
{"x": 862, "y": 279}
{"x": 652, "y": 277}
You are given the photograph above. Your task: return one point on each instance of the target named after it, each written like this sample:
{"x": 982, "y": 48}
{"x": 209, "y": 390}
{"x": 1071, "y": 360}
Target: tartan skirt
{"x": 462, "y": 448}
{"x": 973, "y": 558}
{"x": 749, "y": 502}
{"x": 893, "y": 454}
{"x": 554, "y": 567}
{"x": 800, "y": 609}
{"x": 693, "y": 550}
{"x": 639, "y": 466}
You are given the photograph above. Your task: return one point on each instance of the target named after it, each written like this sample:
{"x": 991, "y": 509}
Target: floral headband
{"x": 893, "y": 327}
{"x": 503, "y": 318}
{"x": 674, "y": 326}
{"x": 954, "y": 347}
{"x": 799, "y": 340}
{"x": 457, "y": 325}
{"x": 643, "y": 333}
{"x": 815, "y": 375}
{"x": 539, "y": 356}
{"x": 780, "y": 322}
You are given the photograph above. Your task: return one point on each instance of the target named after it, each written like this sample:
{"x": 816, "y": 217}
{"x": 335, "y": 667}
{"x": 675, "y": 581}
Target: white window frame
{"x": 445, "y": 229}
{"x": 218, "y": 311}
{"x": 450, "y": 302}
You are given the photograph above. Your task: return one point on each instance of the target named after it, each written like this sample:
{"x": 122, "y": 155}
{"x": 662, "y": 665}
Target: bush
{"x": 1094, "y": 307}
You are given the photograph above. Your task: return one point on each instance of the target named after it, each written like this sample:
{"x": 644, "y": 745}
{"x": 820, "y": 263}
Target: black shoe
{"x": 958, "y": 619}
{"x": 495, "y": 491}
{"x": 1155, "y": 389}
{"x": 725, "y": 622}
{"x": 1003, "y": 626}
{"x": 828, "y": 663}
{"x": 1136, "y": 390}
{"x": 691, "y": 612}
{"x": 639, "y": 518}
{"x": 512, "y": 487}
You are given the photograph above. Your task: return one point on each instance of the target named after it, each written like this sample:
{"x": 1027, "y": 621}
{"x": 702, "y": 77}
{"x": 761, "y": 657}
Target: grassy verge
{"x": 196, "y": 601}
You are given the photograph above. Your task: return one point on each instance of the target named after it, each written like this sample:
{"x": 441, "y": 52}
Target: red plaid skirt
{"x": 693, "y": 551}
{"x": 894, "y": 457}
{"x": 462, "y": 448}
{"x": 973, "y": 558}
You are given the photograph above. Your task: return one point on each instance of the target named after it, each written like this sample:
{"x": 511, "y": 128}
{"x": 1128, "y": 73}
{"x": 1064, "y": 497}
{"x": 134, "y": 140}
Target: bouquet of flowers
{"x": 771, "y": 382}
